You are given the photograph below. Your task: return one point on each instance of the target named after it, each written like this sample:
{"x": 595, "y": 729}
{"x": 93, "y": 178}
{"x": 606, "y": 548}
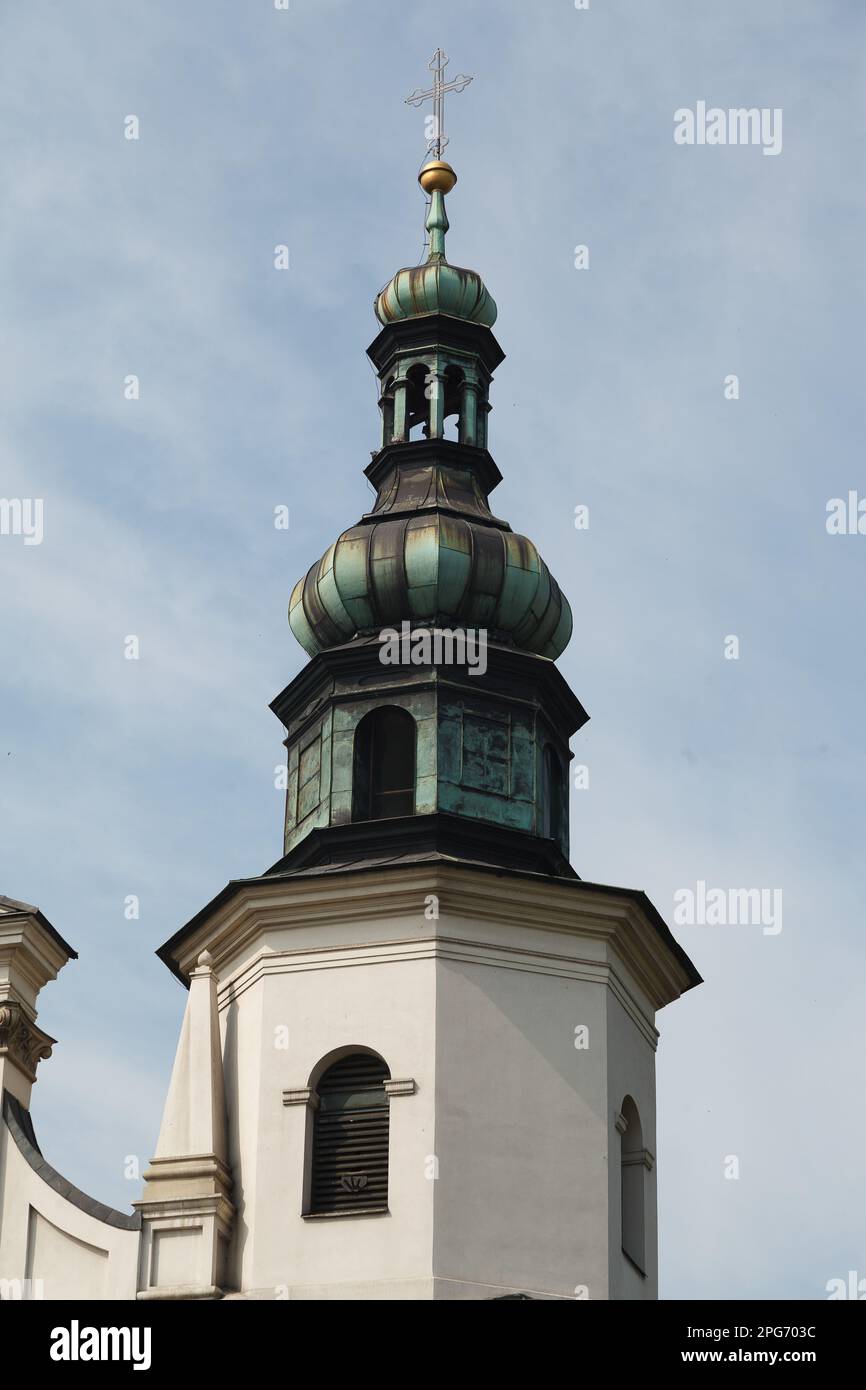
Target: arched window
{"x": 551, "y": 794}
{"x": 417, "y": 403}
{"x": 383, "y": 771}
{"x": 633, "y": 1168}
{"x": 453, "y": 405}
{"x": 350, "y": 1137}
{"x": 386, "y": 405}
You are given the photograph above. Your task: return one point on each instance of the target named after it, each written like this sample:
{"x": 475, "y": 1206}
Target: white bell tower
{"x": 515, "y": 1016}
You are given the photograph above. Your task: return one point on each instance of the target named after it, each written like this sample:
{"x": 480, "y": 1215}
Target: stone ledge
{"x": 402, "y": 1087}
{"x": 176, "y": 1292}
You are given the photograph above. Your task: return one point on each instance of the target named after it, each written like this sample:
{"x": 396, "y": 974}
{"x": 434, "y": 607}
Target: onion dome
{"x": 431, "y": 552}
{"x": 436, "y": 287}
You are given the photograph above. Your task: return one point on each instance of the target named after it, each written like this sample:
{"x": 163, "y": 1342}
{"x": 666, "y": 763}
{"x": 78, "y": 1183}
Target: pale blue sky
{"x": 707, "y": 516}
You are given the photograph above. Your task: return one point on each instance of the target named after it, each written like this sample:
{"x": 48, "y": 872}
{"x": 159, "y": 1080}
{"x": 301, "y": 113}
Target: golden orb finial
{"x": 437, "y": 176}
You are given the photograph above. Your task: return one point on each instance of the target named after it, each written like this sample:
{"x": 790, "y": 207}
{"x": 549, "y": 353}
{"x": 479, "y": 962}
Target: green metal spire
{"x": 431, "y": 550}
{"x": 436, "y": 287}
{"x": 437, "y": 225}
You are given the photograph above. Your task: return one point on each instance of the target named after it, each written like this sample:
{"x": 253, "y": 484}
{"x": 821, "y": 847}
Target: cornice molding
{"x": 183, "y": 1179}
{"x": 31, "y": 955}
{"x": 432, "y": 331}
{"x": 396, "y": 951}
{"x": 359, "y": 897}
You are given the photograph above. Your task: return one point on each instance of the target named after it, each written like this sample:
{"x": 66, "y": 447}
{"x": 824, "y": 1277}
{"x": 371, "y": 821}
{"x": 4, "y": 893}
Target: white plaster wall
{"x": 13, "y": 1080}
{"x": 61, "y": 1250}
{"x": 387, "y": 1006}
{"x": 241, "y": 1026}
{"x": 521, "y": 1199}
{"x": 518, "y": 1122}
{"x": 631, "y": 1071}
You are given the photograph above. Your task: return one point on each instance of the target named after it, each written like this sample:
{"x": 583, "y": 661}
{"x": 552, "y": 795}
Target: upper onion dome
{"x": 436, "y": 287}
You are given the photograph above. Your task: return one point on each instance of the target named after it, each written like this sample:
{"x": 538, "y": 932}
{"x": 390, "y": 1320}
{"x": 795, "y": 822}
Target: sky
{"x": 154, "y": 258}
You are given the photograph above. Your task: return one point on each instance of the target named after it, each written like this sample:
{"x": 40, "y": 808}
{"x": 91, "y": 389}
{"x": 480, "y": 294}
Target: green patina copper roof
{"x": 431, "y": 569}
{"x": 436, "y": 287}
{"x": 431, "y": 552}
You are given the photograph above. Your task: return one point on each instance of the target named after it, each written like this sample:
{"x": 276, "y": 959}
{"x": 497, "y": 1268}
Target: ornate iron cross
{"x": 438, "y": 140}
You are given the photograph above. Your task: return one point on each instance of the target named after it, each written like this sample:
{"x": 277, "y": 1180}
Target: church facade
{"x": 418, "y": 1054}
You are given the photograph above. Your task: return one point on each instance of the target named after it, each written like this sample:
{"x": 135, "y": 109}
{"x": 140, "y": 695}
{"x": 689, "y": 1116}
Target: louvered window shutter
{"x": 350, "y": 1142}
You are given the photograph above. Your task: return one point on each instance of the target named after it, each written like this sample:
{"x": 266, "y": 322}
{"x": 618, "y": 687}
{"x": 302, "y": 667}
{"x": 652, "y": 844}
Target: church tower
{"x": 389, "y": 751}
{"x": 418, "y": 1060}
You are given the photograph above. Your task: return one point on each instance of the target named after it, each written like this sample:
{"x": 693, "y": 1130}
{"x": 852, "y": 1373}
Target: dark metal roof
{"x": 20, "y": 1126}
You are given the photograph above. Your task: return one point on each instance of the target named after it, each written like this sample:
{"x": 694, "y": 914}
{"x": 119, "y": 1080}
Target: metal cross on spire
{"x": 438, "y": 140}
